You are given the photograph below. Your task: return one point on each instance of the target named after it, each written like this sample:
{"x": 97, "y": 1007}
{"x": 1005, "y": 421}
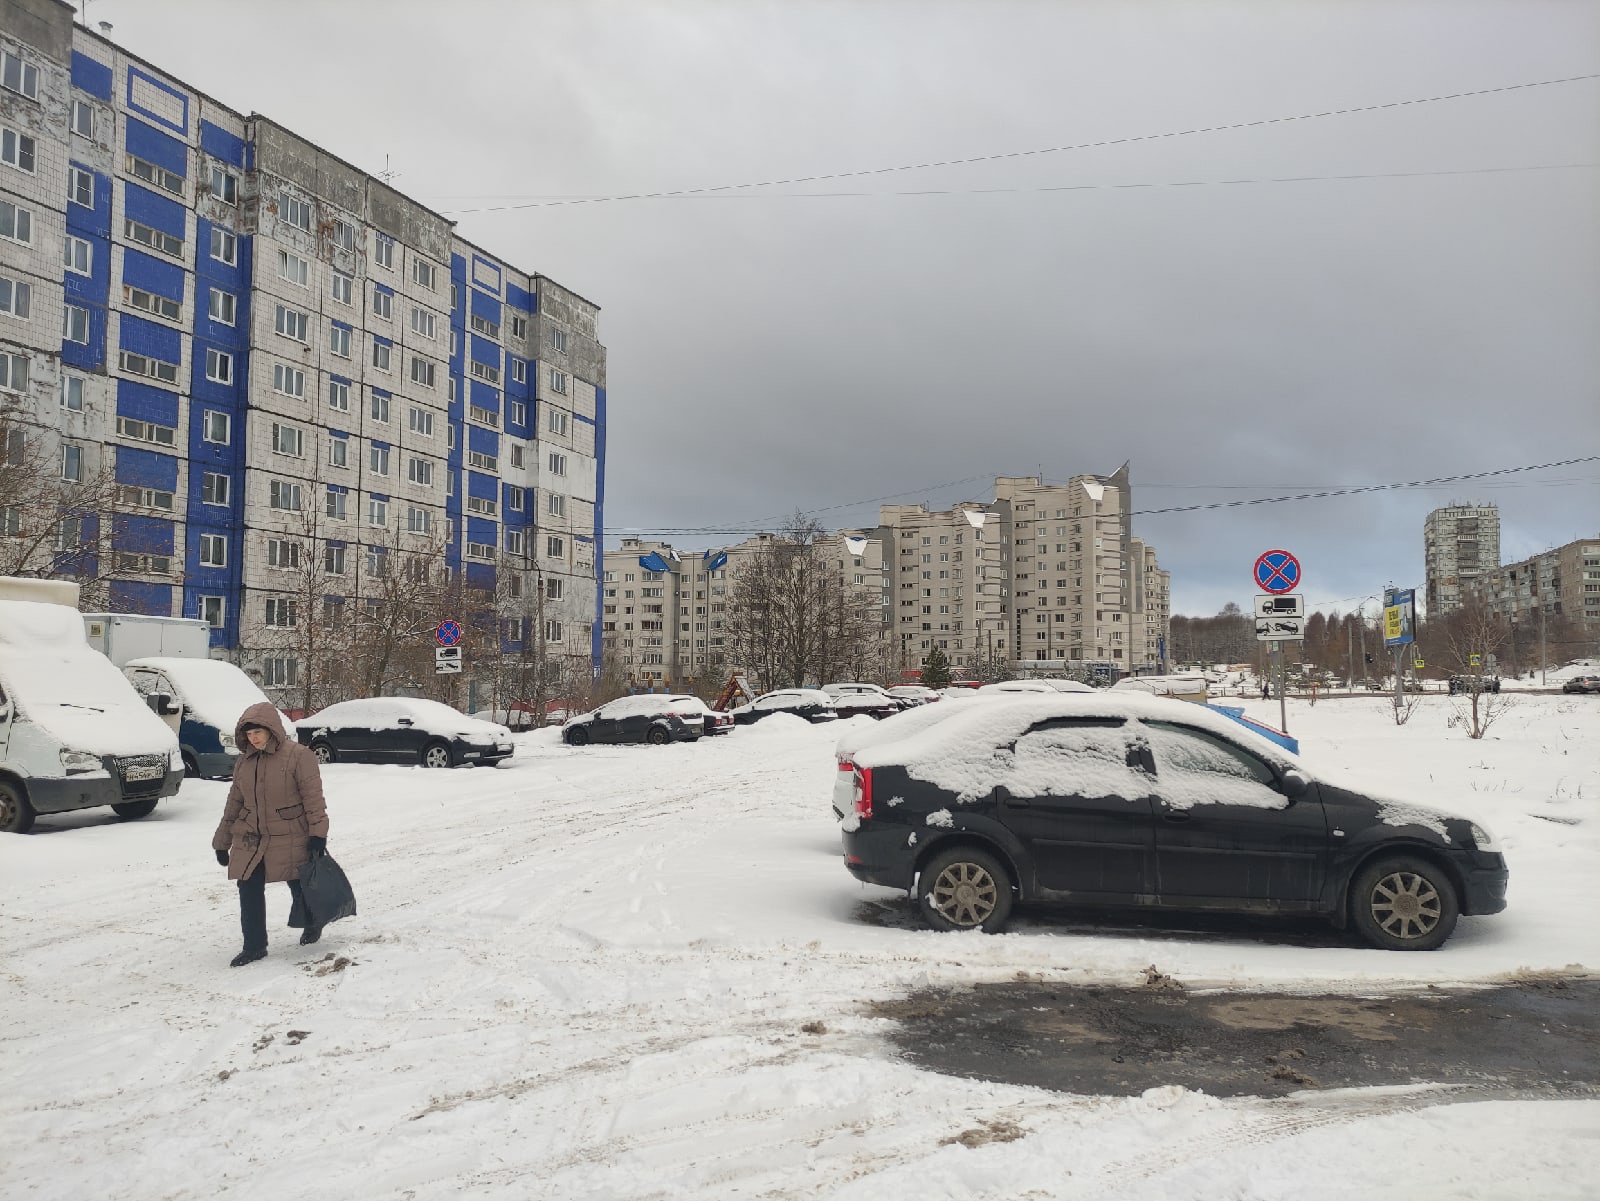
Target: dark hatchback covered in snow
{"x": 1111, "y": 801}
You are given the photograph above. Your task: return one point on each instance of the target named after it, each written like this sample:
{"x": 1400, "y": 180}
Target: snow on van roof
{"x": 213, "y": 690}
{"x": 31, "y": 625}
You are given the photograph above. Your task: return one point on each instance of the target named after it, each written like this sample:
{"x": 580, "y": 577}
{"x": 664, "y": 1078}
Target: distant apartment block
{"x": 1563, "y": 583}
{"x": 1461, "y": 543}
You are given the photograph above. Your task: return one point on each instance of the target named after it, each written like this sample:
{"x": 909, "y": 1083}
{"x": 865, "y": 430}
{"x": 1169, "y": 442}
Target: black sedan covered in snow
{"x": 399, "y": 729}
{"x": 657, "y": 719}
{"x": 1145, "y": 802}
{"x": 810, "y": 703}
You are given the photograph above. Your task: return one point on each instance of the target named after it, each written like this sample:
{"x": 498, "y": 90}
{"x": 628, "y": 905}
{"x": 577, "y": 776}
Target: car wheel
{"x": 133, "y": 810}
{"x": 965, "y": 889}
{"x": 16, "y": 815}
{"x": 437, "y": 755}
{"x": 191, "y": 766}
{"x": 658, "y": 736}
{"x": 577, "y": 736}
{"x": 323, "y": 751}
{"x": 1404, "y": 904}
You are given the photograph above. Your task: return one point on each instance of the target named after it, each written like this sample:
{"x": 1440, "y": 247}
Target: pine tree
{"x": 936, "y": 670}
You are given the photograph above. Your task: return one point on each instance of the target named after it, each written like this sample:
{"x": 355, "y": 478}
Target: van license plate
{"x": 143, "y": 773}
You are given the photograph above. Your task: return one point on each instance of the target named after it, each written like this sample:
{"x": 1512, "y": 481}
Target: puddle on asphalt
{"x": 1534, "y": 1033}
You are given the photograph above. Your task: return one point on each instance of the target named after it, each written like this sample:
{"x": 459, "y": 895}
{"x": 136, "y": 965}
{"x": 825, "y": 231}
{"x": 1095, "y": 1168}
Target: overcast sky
{"x": 772, "y": 349}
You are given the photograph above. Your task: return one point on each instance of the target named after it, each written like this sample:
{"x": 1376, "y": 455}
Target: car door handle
{"x": 1176, "y": 815}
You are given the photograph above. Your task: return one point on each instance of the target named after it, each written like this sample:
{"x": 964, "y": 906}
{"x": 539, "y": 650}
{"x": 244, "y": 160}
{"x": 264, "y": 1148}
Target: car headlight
{"x": 75, "y": 762}
{"x": 1484, "y": 840}
{"x": 227, "y": 741}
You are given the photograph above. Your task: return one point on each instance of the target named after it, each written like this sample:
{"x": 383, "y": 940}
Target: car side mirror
{"x": 1295, "y": 784}
{"x": 162, "y": 703}
{"x": 405, "y": 721}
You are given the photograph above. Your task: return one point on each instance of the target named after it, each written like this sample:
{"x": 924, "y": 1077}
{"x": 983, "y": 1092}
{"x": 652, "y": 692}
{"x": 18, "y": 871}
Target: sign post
{"x": 1280, "y": 617}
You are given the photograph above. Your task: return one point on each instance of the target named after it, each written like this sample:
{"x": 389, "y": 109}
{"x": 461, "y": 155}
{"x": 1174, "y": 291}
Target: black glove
{"x": 222, "y": 857}
{"x": 316, "y": 847}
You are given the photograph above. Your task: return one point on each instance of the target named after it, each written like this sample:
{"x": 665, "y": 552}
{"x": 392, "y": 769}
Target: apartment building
{"x": 1561, "y": 586}
{"x": 282, "y": 360}
{"x": 1460, "y": 542}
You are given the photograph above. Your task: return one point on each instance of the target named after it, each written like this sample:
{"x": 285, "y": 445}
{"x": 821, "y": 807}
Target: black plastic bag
{"x": 325, "y": 894}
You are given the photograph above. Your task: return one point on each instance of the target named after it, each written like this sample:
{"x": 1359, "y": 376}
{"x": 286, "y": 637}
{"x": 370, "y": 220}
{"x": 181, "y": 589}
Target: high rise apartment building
{"x": 280, "y": 359}
{"x": 1460, "y": 544}
{"x": 1560, "y": 585}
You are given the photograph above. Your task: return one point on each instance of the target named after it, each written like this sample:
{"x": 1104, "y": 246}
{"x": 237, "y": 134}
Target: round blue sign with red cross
{"x": 448, "y": 633}
{"x": 1277, "y": 571}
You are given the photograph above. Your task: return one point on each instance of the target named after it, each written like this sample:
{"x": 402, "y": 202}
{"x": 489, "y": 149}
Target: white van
{"x": 201, "y": 701}
{"x": 73, "y": 732}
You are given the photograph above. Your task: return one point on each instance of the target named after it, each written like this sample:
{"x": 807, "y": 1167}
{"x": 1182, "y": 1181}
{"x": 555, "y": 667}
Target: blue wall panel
{"x": 154, "y": 600}
{"x": 94, "y": 221}
{"x": 162, "y": 149}
{"x": 485, "y": 351}
{"x": 486, "y": 307}
{"x": 485, "y": 396}
{"x": 518, "y": 299}
{"x": 91, "y": 357}
{"x": 144, "y": 403}
{"x": 219, "y": 143}
{"x": 481, "y": 529}
{"x": 145, "y": 271}
{"x": 158, "y": 212}
{"x": 485, "y": 486}
{"x": 146, "y": 468}
{"x": 146, "y": 337}
{"x": 485, "y": 442}
{"x": 142, "y": 535}
{"x": 91, "y": 77}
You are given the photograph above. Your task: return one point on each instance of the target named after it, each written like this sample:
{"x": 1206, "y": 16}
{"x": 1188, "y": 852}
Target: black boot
{"x": 310, "y": 935}
{"x": 248, "y": 956}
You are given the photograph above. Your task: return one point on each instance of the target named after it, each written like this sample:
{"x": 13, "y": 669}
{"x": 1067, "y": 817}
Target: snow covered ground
{"x": 589, "y": 974}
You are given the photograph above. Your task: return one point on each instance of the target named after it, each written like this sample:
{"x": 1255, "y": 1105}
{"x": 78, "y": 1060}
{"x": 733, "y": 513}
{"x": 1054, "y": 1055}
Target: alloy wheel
{"x": 965, "y": 894}
{"x": 1405, "y": 905}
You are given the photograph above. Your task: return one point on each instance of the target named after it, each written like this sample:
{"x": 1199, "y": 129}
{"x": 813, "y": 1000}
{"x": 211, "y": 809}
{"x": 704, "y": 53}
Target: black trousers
{"x": 253, "y": 907}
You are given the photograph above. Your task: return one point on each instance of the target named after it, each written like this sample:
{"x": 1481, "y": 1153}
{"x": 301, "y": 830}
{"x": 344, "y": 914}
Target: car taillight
{"x": 863, "y": 785}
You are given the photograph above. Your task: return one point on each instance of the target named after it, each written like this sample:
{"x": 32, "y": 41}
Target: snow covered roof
{"x": 385, "y": 712}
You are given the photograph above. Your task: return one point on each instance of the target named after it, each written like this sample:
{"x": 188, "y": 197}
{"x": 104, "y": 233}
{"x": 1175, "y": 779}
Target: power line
{"x": 1034, "y": 153}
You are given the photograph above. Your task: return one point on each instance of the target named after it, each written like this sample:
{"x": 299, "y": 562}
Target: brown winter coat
{"x": 274, "y": 804}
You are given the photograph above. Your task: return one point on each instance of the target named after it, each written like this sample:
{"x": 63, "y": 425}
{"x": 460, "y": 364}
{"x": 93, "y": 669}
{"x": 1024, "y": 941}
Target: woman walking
{"x": 274, "y": 821}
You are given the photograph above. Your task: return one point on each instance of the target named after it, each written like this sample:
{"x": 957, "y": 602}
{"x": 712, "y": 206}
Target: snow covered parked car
{"x": 401, "y": 729}
{"x": 201, "y": 700}
{"x": 1126, "y": 800}
{"x": 878, "y": 702}
{"x": 653, "y": 718}
{"x": 809, "y": 703}
{"x": 915, "y": 693}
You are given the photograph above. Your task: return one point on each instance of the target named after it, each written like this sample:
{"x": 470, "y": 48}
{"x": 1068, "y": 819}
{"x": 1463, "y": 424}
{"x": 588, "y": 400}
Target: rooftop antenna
{"x": 388, "y": 174}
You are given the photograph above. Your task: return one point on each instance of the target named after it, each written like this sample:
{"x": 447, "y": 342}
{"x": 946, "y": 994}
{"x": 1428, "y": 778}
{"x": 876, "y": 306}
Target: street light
{"x": 1361, "y": 627}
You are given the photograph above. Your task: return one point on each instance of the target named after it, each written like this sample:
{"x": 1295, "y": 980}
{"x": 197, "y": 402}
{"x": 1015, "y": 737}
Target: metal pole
{"x": 1283, "y": 703}
{"x": 1350, "y": 659}
{"x": 1541, "y": 640}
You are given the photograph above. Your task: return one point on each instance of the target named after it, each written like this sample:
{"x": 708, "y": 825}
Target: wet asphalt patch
{"x": 1534, "y": 1035}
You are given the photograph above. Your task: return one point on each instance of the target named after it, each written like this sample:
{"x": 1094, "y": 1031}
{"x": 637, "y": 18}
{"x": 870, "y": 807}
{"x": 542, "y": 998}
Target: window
{"x": 224, "y": 246}
{"x": 224, "y": 186}
{"x": 421, "y": 422}
{"x": 18, "y": 76}
{"x": 419, "y": 521}
{"x": 476, "y": 458}
{"x": 281, "y": 552}
{"x": 71, "y": 462}
{"x": 216, "y": 427}
{"x": 519, "y": 413}
{"x": 156, "y": 369}
{"x": 291, "y": 323}
{"x": 379, "y": 408}
{"x": 425, "y": 273}
{"x": 519, "y": 371}
{"x": 339, "y": 395}
{"x": 383, "y": 250}
{"x": 222, "y": 306}
{"x": 554, "y": 547}
{"x": 480, "y": 550}
{"x": 293, "y": 268}
{"x": 156, "y": 306}
{"x": 382, "y": 303}
{"x": 16, "y": 223}
{"x": 482, "y": 325}
{"x": 335, "y": 504}
{"x": 288, "y": 440}
{"x": 377, "y": 511}
{"x": 72, "y": 393}
{"x": 344, "y": 287}
{"x": 519, "y": 327}
{"x": 516, "y": 456}
{"x": 378, "y": 459}
{"x": 213, "y": 550}
{"x": 552, "y": 630}
{"x": 211, "y": 610}
{"x": 516, "y": 499}
{"x": 377, "y": 563}
{"x": 82, "y": 119}
{"x": 558, "y": 339}
{"x": 214, "y": 488}
{"x": 290, "y": 381}
{"x": 280, "y": 612}
{"x": 333, "y": 559}
{"x": 556, "y": 421}
{"x": 344, "y": 234}
{"x": 558, "y": 381}
{"x": 485, "y": 371}
{"x": 144, "y": 498}
{"x": 10, "y": 521}
{"x": 483, "y": 416}
{"x": 143, "y": 564}
{"x": 280, "y": 671}
{"x": 380, "y": 354}
{"x": 422, "y": 372}
{"x": 482, "y": 505}
{"x": 339, "y": 340}
{"x": 553, "y": 588}
{"x": 338, "y": 452}
{"x": 15, "y": 297}
{"x": 556, "y": 504}
{"x": 18, "y": 150}
{"x": 295, "y": 212}
{"x": 77, "y": 255}
{"x": 516, "y": 542}
{"x": 557, "y": 463}
{"x": 424, "y": 323}
{"x": 166, "y": 180}
{"x": 284, "y": 495}
{"x": 420, "y": 472}
{"x": 219, "y": 366}
{"x": 155, "y": 239}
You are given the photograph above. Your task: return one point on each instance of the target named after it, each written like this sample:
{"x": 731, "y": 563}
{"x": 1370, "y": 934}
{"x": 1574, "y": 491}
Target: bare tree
{"x": 1472, "y": 636}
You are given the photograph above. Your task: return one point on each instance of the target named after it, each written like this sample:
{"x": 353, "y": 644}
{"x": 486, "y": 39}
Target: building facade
{"x": 1460, "y": 544}
{"x": 287, "y": 367}
{"x": 1559, "y": 588}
